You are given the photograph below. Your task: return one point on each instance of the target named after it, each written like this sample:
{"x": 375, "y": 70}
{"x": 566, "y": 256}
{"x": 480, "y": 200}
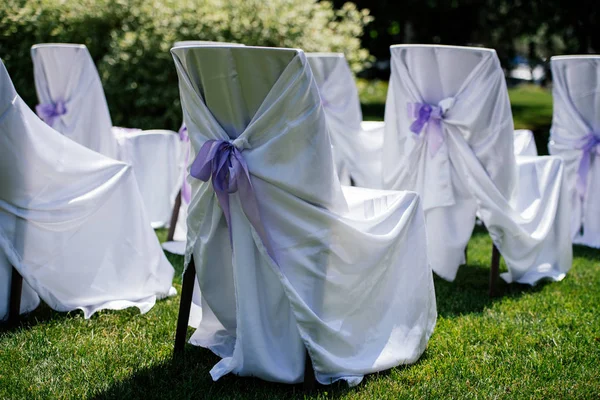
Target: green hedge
{"x": 129, "y": 41}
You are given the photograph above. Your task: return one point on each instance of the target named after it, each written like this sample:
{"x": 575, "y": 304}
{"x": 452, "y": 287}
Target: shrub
{"x": 130, "y": 40}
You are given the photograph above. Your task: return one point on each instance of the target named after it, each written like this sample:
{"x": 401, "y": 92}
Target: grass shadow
{"x": 188, "y": 376}
{"x": 41, "y": 315}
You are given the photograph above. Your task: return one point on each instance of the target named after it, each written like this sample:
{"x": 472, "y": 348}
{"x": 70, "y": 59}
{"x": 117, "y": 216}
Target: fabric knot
{"x": 50, "y": 112}
{"x": 429, "y": 117}
{"x": 589, "y": 145}
{"x": 222, "y": 162}
{"x": 241, "y": 144}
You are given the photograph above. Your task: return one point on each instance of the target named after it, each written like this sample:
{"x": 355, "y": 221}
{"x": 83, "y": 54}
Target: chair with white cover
{"x": 525, "y": 143}
{"x": 357, "y": 144}
{"x": 285, "y": 258}
{"x": 72, "y": 101}
{"x": 449, "y": 136}
{"x": 177, "y": 233}
{"x": 72, "y": 224}
{"x": 575, "y": 137}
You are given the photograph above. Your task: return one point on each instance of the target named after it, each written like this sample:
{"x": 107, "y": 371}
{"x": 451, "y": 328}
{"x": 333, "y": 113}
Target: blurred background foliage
{"x": 130, "y": 39}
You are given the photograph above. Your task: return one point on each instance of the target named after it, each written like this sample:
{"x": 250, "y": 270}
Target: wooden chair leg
{"x": 187, "y": 291}
{"x": 494, "y": 270}
{"x": 174, "y": 217}
{"x": 310, "y": 382}
{"x": 466, "y": 254}
{"x": 16, "y": 289}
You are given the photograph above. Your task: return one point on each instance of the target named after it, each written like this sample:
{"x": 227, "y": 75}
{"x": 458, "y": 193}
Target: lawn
{"x": 540, "y": 342}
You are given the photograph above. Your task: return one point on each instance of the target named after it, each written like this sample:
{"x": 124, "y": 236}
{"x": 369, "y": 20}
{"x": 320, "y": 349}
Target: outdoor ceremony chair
{"x": 72, "y": 224}
{"x": 449, "y": 136}
{"x": 176, "y": 236}
{"x": 72, "y": 101}
{"x": 357, "y": 144}
{"x": 575, "y": 137}
{"x": 291, "y": 268}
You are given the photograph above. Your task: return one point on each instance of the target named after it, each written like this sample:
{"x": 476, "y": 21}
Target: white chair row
{"x": 72, "y": 101}
{"x": 72, "y": 223}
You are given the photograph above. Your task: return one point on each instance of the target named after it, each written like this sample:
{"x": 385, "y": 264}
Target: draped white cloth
{"x": 177, "y": 245}
{"x": 356, "y": 144}
{"x": 525, "y": 143}
{"x": 156, "y": 155}
{"x": 576, "y": 120}
{"x": 350, "y": 280}
{"x": 66, "y": 77}
{"x": 522, "y": 202}
{"x": 71, "y": 221}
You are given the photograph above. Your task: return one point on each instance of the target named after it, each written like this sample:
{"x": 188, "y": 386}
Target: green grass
{"x": 540, "y": 342}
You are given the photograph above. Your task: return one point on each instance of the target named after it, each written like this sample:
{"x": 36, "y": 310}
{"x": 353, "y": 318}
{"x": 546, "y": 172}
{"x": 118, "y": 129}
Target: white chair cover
{"x": 157, "y": 157}
{"x": 66, "y": 78}
{"x": 71, "y": 221}
{"x": 350, "y": 278}
{"x": 467, "y": 166}
{"x": 357, "y": 151}
{"x": 65, "y": 73}
{"x": 177, "y": 245}
{"x": 575, "y": 137}
{"x": 525, "y": 143}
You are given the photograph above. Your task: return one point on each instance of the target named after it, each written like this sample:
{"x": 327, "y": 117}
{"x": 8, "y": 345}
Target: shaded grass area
{"x": 540, "y": 342}
{"x": 531, "y": 107}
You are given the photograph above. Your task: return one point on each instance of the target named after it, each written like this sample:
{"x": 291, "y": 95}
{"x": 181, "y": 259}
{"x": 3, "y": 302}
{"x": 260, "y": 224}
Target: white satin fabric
{"x": 71, "y": 221}
{"x": 177, "y": 245}
{"x": 157, "y": 157}
{"x": 577, "y": 114}
{"x": 522, "y": 202}
{"x": 66, "y": 72}
{"x": 351, "y": 282}
{"x": 524, "y": 143}
{"x": 356, "y": 144}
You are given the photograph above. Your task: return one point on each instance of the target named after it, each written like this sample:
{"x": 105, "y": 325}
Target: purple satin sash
{"x": 590, "y": 144}
{"x": 50, "y": 112}
{"x": 431, "y": 116}
{"x": 222, "y": 162}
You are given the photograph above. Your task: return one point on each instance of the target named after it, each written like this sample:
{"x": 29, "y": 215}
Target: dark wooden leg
{"x": 174, "y": 217}
{"x": 310, "y": 382}
{"x": 466, "y": 253}
{"x": 16, "y": 288}
{"x": 495, "y": 269}
{"x": 187, "y": 291}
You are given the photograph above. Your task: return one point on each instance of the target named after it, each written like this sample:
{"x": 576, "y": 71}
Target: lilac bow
{"x": 224, "y": 163}
{"x": 50, "y": 112}
{"x": 589, "y": 145}
{"x": 186, "y": 190}
{"x": 431, "y": 116}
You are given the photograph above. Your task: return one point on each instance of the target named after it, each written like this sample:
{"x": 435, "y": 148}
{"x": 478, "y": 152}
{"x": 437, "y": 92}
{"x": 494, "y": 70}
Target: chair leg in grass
{"x": 16, "y": 288}
{"x": 187, "y": 291}
{"x": 310, "y": 382}
{"x": 174, "y": 217}
{"x": 494, "y": 270}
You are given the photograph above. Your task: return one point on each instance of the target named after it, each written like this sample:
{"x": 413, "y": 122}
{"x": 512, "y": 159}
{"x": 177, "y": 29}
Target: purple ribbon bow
{"x": 186, "y": 189}
{"x": 590, "y": 144}
{"x": 222, "y": 162}
{"x": 50, "y": 112}
{"x": 431, "y": 116}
